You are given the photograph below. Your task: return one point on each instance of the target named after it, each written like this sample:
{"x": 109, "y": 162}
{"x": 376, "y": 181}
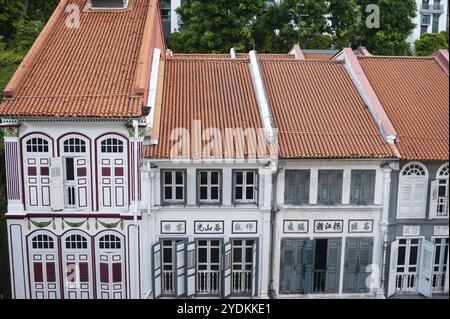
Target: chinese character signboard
{"x": 173, "y": 227}
{"x": 440, "y": 231}
{"x": 208, "y": 227}
{"x": 295, "y": 226}
{"x": 328, "y": 226}
{"x": 244, "y": 227}
{"x": 360, "y": 226}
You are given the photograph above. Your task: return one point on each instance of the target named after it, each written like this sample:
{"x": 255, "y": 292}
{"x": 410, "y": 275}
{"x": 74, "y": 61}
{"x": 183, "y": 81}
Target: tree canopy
{"x": 431, "y": 42}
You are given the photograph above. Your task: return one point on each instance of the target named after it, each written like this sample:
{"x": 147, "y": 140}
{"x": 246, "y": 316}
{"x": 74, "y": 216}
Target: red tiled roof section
{"x": 198, "y": 56}
{"x": 318, "y": 56}
{"x": 217, "y": 93}
{"x": 414, "y": 94}
{"x": 319, "y": 113}
{"x": 87, "y": 71}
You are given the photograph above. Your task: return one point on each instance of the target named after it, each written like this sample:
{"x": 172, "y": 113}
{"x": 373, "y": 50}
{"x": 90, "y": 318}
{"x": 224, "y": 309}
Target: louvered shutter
{"x": 290, "y": 194}
{"x": 287, "y": 266}
{"x": 425, "y": 282}
{"x": 392, "y": 282}
{"x": 405, "y": 197}
{"x": 56, "y": 184}
{"x": 333, "y": 258}
{"x": 434, "y": 198}
{"x": 365, "y": 259}
{"x": 308, "y": 283}
{"x": 351, "y": 265}
{"x": 419, "y": 198}
{"x": 181, "y": 269}
{"x": 227, "y": 276}
{"x": 157, "y": 270}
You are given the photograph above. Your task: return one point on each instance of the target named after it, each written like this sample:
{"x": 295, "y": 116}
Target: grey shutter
{"x": 299, "y": 270}
{"x": 287, "y": 266}
{"x": 335, "y": 187}
{"x": 351, "y": 265}
{"x": 356, "y": 187}
{"x": 190, "y": 269}
{"x": 365, "y": 259}
{"x": 290, "y": 192}
{"x": 157, "y": 270}
{"x": 368, "y": 187}
{"x": 303, "y": 186}
{"x": 323, "y": 187}
{"x": 333, "y": 258}
{"x": 227, "y": 275}
{"x": 308, "y": 282}
{"x": 180, "y": 269}
{"x": 255, "y": 270}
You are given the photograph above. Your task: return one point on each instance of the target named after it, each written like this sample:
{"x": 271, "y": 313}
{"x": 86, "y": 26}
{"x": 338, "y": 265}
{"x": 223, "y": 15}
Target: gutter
{"x": 273, "y": 217}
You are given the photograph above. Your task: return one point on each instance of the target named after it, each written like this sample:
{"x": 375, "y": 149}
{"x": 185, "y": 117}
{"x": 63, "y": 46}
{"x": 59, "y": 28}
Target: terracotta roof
{"x": 90, "y": 71}
{"x": 319, "y": 113}
{"x": 415, "y": 95}
{"x": 318, "y": 56}
{"x": 264, "y": 56}
{"x": 218, "y": 93}
{"x": 199, "y": 56}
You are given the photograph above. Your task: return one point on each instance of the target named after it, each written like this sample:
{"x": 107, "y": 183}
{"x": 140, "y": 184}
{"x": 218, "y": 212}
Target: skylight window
{"x": 109, "y": 4}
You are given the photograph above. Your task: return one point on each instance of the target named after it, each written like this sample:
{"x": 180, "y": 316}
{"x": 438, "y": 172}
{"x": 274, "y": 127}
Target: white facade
{"x": 354, "y": 224}
{"x": 432, "y": 17}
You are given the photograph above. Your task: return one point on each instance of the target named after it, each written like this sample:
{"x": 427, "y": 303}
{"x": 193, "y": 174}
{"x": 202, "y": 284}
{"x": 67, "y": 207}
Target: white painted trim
{"x": 153, "y": 85}
{"x": 440, "y": 169}
{"x": 261, "y": 95}
{"x": 233, "y": 53}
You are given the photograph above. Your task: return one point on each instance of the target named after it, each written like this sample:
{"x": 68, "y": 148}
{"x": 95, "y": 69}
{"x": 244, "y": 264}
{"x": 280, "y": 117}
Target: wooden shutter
{"x": 356, "y": 188}
{"x": 392, "y": 282}
{"x": 368, "y": 187}
{"x": 51, "y": 271}
{"x": 351, "y": 265}
{"x": 308, "y": 283}
{"x": 419, "y": 198}
{"x": 333, "y": 259}
{"x": 405, "y": 198}
{"x": 180, "y": 268}
{"x": 117, "y": 272}
{"x": 56, "y": 184}
{"x": 365, "y": 259}
{"x": 425, "y": 282}
{"x": 287, "y": 266}
{"x": 299, "y": 266}
{"x": 290, "y": 192}
{"x": 157, "y": 270}
{"x": 190, "y": 269}
{"x": 335, "y": 187}
{"x": 255, "y": 270}
{"x": 84, "y": 271}
{"x": 227, "y": 276}
{"x": 434, "y": 198}
{"x": 82, "y": 182}
{"x": 446, "y": 274}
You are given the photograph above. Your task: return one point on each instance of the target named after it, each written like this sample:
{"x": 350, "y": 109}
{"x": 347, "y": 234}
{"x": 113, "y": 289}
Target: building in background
{"x": 432, "y": 17}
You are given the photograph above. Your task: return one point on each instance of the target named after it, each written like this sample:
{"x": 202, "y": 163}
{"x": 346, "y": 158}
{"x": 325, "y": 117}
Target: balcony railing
{"x": 242, "y": 281}
{"x": 438, "y": 281}
{"x": 319, "y": 280}
{"x": 406, "y": 282}
{"x": 432, "y": 7}
{"x": 168, "y": 282}
{"x": 442, "y": 207}
{"x": 70, "y": 195}
{"x": 208, "y": 282}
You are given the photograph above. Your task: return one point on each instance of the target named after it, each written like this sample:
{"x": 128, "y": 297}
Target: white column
{"x": 17, "y": 260}
{"x": 346, "y": 186}
{"x": 313, "y": 186}
{"x": 264, "y": 265}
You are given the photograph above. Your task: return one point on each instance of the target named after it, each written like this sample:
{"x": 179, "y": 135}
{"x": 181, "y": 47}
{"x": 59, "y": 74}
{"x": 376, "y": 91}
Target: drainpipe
{"x": 273, "y": 223}
{"x": 136, "y": 206}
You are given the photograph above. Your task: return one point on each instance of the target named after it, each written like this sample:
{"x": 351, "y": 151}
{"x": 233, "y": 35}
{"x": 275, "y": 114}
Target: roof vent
{"x": 109, "y": 4}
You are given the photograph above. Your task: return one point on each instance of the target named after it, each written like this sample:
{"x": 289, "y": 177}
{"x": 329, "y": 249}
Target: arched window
{"x": 37, "y": 153}
{"x": 439, "y": 193}
{"x": 76, "y": 242}
{"x": 443, "y": 171}
{"x": 37, "y": 145}
{"x": 414, "y": 170}
{"x": 74, "y": 145}
{"x": 42, "y": 241}
{"x": 112, "y": 145}
{"x": 110, "y": 242}
{"x": 412, "y": 191}
{"x": 112, "y": 161}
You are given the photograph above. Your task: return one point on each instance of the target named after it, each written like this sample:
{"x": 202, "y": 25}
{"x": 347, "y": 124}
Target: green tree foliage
{"x": 11, "y": 11}
{"x": 216, "y": 26}
{"x": 292, "y": 21}
{"x": 431, "y": 42}
{"x": 395, "y": 26}
{"x": 344, "y": 22}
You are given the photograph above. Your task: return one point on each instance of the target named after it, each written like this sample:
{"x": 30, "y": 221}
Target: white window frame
{"x": 443, "y": 261}
{"x": 173, "y": 186}
{"x": 406, "y": 272}
{"x": 209, "y": 186}
{"x": 442, "y": 180}
{"x": 86, "y": 155}
{"x": 244, "y": 186}
{"x": 412, "y": 178}
{"x": 38, "y": 181}
{"x": 125, "y": 6}
{"x": 112, "y": 182}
